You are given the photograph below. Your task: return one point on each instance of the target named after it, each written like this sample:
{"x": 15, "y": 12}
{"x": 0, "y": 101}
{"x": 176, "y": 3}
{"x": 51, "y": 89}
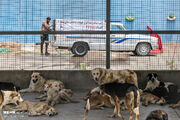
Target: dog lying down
{"x": 37, "y": 83}
{"x": 55, "y": 95}
{"x": 148, "y": 98}
{"x": 34, "y": 108}
{"x": 157, "y": 115}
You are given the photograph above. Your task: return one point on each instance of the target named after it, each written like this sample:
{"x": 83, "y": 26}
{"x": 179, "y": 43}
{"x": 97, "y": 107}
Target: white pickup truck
{"x": 80, "y": 44}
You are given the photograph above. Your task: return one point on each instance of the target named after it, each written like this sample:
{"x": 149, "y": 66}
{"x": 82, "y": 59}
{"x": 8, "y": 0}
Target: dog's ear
{"x": 149, "y": 76}
{"x": 101, "y": 71}
{"x": 155, "y": 75}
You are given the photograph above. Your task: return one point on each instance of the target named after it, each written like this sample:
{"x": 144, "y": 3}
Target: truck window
{"x": 117, "y": 28}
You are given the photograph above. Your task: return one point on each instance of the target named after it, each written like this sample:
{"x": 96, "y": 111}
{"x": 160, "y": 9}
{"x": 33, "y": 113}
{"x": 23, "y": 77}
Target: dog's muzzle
{"x": 17, "y": 102}
{"x": 50, "y": 114}
{"x": 35, "y": 80}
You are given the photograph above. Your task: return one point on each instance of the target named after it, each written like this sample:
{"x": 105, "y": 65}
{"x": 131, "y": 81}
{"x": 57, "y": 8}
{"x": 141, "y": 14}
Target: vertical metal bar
{"x": 108, "y": 15}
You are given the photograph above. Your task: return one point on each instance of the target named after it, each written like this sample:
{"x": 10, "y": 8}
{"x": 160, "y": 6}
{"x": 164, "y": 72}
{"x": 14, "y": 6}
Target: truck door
{"x": 117, "y": 40}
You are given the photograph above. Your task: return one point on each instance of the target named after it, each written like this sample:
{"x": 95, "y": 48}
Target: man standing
{"x": 44, "y": 37}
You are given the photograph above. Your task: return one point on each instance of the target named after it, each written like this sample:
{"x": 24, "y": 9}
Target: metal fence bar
{"x": 108, "y": 17}
{"x": 88, "y": 32}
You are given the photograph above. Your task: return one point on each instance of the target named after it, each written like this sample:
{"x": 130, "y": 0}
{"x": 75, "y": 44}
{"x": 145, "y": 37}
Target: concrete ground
{"x": 75, "y": 111}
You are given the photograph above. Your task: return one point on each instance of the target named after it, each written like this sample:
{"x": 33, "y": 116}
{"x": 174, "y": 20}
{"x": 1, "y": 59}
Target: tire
{"x": 80, "y": 49}
{"x": 143, "y": 49}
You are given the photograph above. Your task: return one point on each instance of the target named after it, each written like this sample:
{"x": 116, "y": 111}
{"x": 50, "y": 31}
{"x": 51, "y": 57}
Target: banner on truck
{"x": 79, "y": 25}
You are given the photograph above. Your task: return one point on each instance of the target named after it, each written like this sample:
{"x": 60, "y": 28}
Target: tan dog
{"x": 7, "y": 97}
{"x": 55, "y": 95}
{"x": 175, "y": 105}
{"x": 37, "y": 83}
{"x": 102, "y": 76}
{"x": 47, "y": 86}
{"x": 148, "y": 98}
{"x": 34, "y": 108}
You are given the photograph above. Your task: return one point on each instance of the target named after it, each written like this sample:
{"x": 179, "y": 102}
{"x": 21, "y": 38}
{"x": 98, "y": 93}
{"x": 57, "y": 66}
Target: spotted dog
{"x": 7, "y": 97}
{"x": 102, "y": 76}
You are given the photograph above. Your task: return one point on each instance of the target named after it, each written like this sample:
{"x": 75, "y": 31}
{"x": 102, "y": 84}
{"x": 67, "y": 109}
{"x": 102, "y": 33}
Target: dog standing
{"x": 102, "y": 76}
{"x": 120, "y": 90}
{"x": 157, "y": 115}
{"x": 37, "y": 83}
{"x": 34, "y": 108}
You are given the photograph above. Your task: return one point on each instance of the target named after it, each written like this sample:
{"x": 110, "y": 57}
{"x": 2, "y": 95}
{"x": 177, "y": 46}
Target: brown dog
{"x": 99, "y": 100}
{"x": 157, "y": 115}
{"x": 37, "y": 83}
{"x": 56, "y": 95}
{"x": 148, "y": 98}
{"x": 102, "y": 76}
{"x": 34, "y": 108}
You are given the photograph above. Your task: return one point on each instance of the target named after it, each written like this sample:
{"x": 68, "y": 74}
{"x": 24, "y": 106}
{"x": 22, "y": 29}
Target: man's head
{"x": 48, "y": 19}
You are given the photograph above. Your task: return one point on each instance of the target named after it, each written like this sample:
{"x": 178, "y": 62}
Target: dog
{"x": 8, "y": 86}
{"x": 102, "y": 76}
{"x": 47, "y": 86}
{"x": 37, "y": 83}
{"x": 99, "y": 100}
{"x": 148, "y": 98}
{"x": 167, "y": 90}
{"x": 34, "y": 108}
{"x": 154, "y": 82}
{"x": 157, "y": 115}
{"x": 56, "y": 95}
{"x": 7, "y": 97}
{"x": 123, "y": 90}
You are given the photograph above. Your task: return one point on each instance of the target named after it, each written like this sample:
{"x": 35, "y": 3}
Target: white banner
{"x": 79, "y": 25}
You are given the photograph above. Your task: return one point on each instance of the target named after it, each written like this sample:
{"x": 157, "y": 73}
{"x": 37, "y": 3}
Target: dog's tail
{"x": 87, "y": 107}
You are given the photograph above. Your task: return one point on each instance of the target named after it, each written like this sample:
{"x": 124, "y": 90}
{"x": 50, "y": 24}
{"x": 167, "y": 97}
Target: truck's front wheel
{"x": 143, "y": 49}
{"x": 80, "y": 49}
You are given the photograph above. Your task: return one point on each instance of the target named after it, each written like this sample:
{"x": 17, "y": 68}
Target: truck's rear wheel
{"x": 80, "y": 49}
{"x": 143, "y": 49}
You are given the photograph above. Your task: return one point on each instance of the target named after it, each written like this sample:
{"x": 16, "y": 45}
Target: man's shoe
{"x": 47, "y": 53}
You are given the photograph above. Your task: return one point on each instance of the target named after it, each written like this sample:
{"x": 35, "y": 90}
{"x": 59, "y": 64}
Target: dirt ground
{"x": 75, "y": 111}
{"x": 27, "y": 57}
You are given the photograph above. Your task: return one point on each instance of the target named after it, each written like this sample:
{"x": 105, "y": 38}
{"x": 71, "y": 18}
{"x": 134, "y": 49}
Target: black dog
{"x": 157, "y": 115}
{"x": 167, "y": 90}
{"x": 8, "y": 86}
{"x": 123, "y": 90}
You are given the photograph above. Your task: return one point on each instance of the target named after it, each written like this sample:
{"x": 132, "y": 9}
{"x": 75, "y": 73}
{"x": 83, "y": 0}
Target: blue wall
{"x": 27, "y": 15}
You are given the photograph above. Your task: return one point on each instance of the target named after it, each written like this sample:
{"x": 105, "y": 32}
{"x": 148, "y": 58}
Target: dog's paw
{"x": 172, "y": 106}
{"x": 112, "y": 116}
